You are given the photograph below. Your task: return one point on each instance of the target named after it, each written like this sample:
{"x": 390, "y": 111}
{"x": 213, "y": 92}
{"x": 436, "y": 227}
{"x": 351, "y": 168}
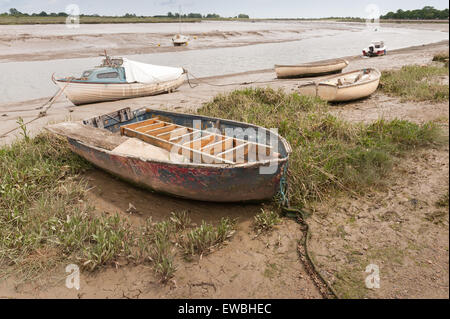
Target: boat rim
{"x": 345, "y": 85}
{"x": 314, "y": 64}
{"x": 191, "y": 165}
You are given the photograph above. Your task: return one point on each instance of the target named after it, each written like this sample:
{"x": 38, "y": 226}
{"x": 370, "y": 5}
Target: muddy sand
{"x": 398, "y": 228}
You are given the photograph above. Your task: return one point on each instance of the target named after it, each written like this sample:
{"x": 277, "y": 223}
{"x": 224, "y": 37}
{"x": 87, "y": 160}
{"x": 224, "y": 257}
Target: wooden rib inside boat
{"x": 205, "y": 146}
{"x": 344, "y": 87}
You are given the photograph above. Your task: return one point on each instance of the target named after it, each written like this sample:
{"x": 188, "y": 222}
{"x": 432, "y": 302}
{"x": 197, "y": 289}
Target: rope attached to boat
{"x": 300, "y": 217}
{"x": 41, "y": 113}
{"x": 227, "y": 84}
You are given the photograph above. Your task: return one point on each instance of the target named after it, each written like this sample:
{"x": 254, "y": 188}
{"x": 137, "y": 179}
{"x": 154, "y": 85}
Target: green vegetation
{"x": 14, "y": 16}
{"x": 426, "y": 13}
{"x": 203, "y": 239}
{"x": 441, "y": 57}
{"x": 443, "y": 201}
{"x": 46, "y": 218}
{"x": 416, "y": 83}
{"x": 328, "y": 154}
{"x": 266, "y": 220}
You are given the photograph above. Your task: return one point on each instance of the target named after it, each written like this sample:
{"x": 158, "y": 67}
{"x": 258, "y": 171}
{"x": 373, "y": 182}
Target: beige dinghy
{"x": 310, "y": 69}
{"x": 344, "y": 87}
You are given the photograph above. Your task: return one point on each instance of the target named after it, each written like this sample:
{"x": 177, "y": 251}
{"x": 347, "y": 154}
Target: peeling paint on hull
{"x": 214, "y": 184}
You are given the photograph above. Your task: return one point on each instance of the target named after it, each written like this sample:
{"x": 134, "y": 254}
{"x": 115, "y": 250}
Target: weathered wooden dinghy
{"x": 189, "y": 156}
{"x": 310, "y": 69}
{"x": 118, "y": 79}
{"x": 344, "y": 87}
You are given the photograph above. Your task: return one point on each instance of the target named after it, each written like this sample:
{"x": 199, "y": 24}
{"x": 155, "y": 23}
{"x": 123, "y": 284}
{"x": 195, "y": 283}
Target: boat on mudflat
{"x": 344, "y": 87}
{"x": 188, "y": 156}
{"x": 310, "y": 69}
{"x": 120, "y": 78}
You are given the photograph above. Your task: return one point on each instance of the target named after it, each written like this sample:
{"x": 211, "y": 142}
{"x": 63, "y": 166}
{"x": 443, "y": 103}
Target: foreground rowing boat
{"x": 344, "y": 87}
{"x": 189, "y": 156}
{"x": 310, "y": 69}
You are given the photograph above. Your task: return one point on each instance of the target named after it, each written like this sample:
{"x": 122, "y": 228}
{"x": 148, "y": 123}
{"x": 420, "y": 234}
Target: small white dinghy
{"x": 120, "y": 78}
{"x": 310, "y": 69}
{"x": 179, "y": 40}
{"x": 344, "y": 87}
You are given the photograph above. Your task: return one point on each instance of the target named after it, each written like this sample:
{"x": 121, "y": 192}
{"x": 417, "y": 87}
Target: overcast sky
{"x": 254, "y": 8}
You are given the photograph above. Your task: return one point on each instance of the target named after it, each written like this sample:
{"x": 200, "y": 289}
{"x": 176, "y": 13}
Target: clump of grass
{"x": 266, "y": 220}
{"x": 441, "y": 57}
{"x": 203, "y": 239}
{"x": 180, "y": 220}
{"x": 443, "y": 201}
{"x": 328, "y": 154}
{"x": 42, "y": 209}
{"x": 416, "y": 83}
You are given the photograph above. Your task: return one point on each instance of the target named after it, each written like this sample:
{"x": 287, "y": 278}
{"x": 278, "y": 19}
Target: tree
{"x": 170, "y": 14}
{"x": 195, "y": 15}
{"x": 43, "y": 14}
{"x": 243, "y": 16}
{"x": 14, "y": 12}
{"x": 426, "y": 13}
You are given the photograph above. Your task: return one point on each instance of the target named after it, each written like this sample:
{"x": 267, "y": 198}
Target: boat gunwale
{"x": 321, "y": 82}
{"x": 314, "y": 64}
{"x": 189, "y": 164}
{"x": 123, "y": 83}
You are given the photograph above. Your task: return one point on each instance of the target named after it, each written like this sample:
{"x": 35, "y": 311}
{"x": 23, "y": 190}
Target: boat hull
{"x": 84, "y": 93}
{"x": 212, "y": 184}
{"x": 310, "y": 69}
{"x": 251, "y": 181}
{"x": 334, "y": 93}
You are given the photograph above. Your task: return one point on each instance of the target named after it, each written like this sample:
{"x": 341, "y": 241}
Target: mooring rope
{"x": 41, "y": 113}
{"x": 227, "y": 84}
{"x": 300, "y": 217}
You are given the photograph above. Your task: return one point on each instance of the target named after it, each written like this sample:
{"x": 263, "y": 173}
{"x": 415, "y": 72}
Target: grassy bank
{"x": 418, "y": 83}
{"x": 328, "y": 154}
{"x": 90, "y": 20}
{"x": 46, "y": 219}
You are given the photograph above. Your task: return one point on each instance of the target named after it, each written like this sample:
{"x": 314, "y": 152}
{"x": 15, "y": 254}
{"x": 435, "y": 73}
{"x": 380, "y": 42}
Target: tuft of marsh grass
{"x": 204, "y": 238}
{"x": 266, "y": 220}
{"x": 416, "y": 83}
{"x": 43, "y": 216}
{"x": 441, "y": 57}
{"x": 180, "y": 220}
{"x": 328, "y": 154}
{"x": 442, "y": 201}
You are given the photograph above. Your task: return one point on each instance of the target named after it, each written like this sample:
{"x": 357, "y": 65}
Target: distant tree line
{"x": 426, "y": 13}
{"x": 16, "y": 13}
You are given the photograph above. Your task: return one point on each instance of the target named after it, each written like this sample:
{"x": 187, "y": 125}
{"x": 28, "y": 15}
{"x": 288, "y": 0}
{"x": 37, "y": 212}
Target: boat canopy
{"x": 148, "y": 73}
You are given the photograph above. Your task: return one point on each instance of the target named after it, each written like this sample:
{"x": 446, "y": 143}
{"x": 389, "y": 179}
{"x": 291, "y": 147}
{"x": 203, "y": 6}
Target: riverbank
{"x": 402, "y": 227}
{"x": 49, "y": 42}
{"x": 188, "y": 98}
